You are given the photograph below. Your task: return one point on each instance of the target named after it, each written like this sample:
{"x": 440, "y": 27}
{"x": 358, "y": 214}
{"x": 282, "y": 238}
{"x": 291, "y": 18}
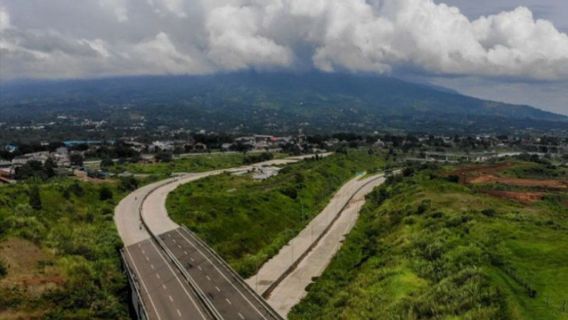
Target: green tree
{"x": 76, "y": 159}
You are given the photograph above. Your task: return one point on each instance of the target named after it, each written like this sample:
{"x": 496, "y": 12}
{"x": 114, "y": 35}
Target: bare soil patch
{"x": 536, "y": 183}
{"x": 524, "y": 197}
{"x": 29, "y": 267}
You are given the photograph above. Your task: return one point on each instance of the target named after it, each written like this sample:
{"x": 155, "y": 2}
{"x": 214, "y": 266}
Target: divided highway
{"x": 176, "y": 274}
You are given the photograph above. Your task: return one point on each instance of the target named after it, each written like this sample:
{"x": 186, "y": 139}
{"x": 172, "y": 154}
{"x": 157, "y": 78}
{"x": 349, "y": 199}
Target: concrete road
{"x": 284, "y": 277}
{"x": 166, "y": 292}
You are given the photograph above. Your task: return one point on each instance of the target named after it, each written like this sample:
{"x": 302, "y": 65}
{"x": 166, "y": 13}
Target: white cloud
{"x": 117, "y": 7}
{"x": 199, "y": 36}
{"x": 4, "y": 19}
{"x": 236, "y": 40}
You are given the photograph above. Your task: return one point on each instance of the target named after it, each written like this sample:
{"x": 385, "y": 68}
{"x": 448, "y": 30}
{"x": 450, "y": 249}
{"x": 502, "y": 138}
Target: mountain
{"x": 273, "y": 103}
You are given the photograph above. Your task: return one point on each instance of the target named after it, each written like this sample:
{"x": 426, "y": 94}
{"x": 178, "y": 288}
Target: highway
{"x": 165, "y": 292}
{"x": 177, "y": 275}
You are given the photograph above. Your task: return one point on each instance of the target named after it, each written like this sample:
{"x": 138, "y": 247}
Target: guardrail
{"x": 139, "y": 307}
{"x": 234, "y": 274}
{"x": 294, "y": 265}
{"x": 193, "y": 285}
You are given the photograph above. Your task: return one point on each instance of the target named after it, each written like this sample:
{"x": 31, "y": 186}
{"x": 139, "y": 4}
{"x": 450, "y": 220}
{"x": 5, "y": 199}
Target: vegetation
{"x": 195, "y": 163}
{"x": 247, "y": 221}
{"x": 74, "y": 270}
{"x": 273, "y": 103}
{"x": 429, "y": 248}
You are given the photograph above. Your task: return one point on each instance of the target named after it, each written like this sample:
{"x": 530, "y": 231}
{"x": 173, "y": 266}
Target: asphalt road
{"x": 232, "y": 298}
{"x": 165, "y": 292}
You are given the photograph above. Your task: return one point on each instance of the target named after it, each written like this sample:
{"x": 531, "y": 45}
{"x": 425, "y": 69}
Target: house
{"x": 158, "y": 146}
{"x": 61, "y": 157}
{"x": 36, "y": 156}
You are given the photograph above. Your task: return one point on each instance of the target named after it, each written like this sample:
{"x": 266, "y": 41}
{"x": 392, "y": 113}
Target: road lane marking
{"x": 143, "y": 285}
{"x": 178, "y": 312}
{"x": 185, "y": 252}
{"x": 241, "y": 316}
{"x": 229, "y": 301}
{"x": 152, "y": 266}
{"x": 164, "y": 286}
{"x": 179, "y": 281}
{"x": 218, "y": 290}
{"x": 158, "y": 275}
{"x": 220, "y": 272}
{"x": 199, "y": 267}
{"x": 171, "y": 298}
{"x": 208, "y": 278}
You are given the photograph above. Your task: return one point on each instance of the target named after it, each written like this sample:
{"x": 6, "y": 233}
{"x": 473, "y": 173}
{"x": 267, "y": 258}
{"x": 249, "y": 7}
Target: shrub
{"x": 128, "y": 183}
{"x": 3, "y": 268}
{"x": 105, "y": 193}
{"x": 35, "y": 198}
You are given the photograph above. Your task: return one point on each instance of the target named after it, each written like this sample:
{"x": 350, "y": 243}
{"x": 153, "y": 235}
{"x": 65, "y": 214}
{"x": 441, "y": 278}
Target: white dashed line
{"x": 199, "y": 267}
{"x": 171, "y": 298}
{"x": 185, "y": 252}
{"x": 208, "y": 278}
{"x": 191, "y": 259}
{"x": 164, "y": 286}
{"x": 152, "y": 266}
{"x": 241, "y": 316}
{"x": 218, "y": 290}
{"x": 179, "y": 313}
{"x": 157, "y": 275}
{"x": 147, "y": 259}
{"x": 228, "y": 301}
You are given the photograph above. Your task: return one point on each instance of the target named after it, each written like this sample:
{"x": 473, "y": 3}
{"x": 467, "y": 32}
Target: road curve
{"x": 164, "y": 291}
{"x": 178, "y": 275}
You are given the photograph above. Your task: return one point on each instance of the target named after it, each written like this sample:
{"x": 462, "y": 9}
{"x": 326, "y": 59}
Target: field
{"x": 248, "y": 221}
{"x": 430, "y": 246}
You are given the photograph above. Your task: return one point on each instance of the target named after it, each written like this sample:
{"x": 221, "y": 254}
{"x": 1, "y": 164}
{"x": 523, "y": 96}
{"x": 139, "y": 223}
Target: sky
{"x": 505, "y": 50}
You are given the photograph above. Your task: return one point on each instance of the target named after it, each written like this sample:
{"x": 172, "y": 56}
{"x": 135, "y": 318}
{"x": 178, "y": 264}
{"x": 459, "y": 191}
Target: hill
{"x": 272, "y": 103}
{"x": 440, "y": 244}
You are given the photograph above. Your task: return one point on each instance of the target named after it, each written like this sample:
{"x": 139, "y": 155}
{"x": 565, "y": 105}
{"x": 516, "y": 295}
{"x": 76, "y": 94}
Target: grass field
{"x": 61, "y": 253}
{"x": 248, "y": 221}
{"x": 428, "y": 248}
{"x": 190, "y": 163}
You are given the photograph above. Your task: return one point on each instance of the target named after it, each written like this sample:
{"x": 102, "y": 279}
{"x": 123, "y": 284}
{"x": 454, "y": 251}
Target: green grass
{"x": 424, "y": 249}
{"x": 195, "y": 163}
{"x": 77, "y": 230}
{"x": 248, "y": 221}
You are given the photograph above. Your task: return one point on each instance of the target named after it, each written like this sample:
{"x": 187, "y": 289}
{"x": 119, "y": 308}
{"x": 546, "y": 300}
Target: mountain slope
{"x": 276, "y": 102}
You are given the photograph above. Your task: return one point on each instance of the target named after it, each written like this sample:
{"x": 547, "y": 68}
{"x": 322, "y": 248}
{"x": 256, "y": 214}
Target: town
{"x": 94, "y": 158}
